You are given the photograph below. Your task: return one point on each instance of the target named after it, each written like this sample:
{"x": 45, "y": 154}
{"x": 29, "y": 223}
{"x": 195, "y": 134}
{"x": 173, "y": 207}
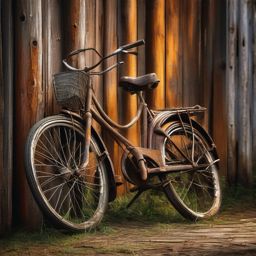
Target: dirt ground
{"x": 227, "y": 234}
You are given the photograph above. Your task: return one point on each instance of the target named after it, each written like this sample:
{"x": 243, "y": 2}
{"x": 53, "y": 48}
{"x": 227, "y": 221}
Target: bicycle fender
{"x": 167, "y": 117}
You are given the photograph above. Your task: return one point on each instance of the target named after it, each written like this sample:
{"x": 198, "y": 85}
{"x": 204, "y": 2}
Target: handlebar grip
{"x": 132, "y": 45}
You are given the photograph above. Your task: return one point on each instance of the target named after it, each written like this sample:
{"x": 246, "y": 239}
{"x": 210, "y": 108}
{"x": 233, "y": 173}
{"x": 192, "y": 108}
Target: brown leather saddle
{"x": 140, "y": 83}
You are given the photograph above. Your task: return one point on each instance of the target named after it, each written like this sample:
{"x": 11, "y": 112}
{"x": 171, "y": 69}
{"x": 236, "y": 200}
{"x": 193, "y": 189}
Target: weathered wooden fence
{"x": 185, "y": 46}
{"x": 241, "y": 90}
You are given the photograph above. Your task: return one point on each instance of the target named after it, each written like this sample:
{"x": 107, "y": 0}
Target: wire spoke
{"x": 196, "y": 189}
{"x": 51, "y": 160}
{"x": 53, "y": 147}
{"x": 73, "y": 195}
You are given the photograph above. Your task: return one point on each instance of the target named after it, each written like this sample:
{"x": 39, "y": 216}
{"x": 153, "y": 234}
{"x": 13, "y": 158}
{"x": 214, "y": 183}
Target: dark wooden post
{"x": 52, "y": 51}
{"x": 3, "y": 187}
{"x": 231, "y": 83}
{"x": 128, "y": 34}
{"x": 206, "y": 59}
{"x": 254, "y": 87}
{"x": 29, "y": 98}
{"x": 244, "y": 81}
{"x": 73, "y": 27}
{"x": 155, "y": 48}
{"x": 141, "y": 24}
{"x": 110, "y": 79}
{"x": 191, "y": 29}
{"x": 99, "y": 29}
{"x": 6, "y": 114}
{"x": 219, "y": 118}
{"x": 173, "y": 68}
{"x": 94, "y": 38}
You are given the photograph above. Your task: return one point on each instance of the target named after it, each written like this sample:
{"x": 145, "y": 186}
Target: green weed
{"x": 152, "y": 206}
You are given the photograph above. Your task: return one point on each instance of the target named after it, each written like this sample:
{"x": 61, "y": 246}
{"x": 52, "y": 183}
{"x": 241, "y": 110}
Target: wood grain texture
{"x": 94, "y": 38}
{"x": 219, "y": 117}
{"x": 128, "y": 34}
{"x": 110, "y": 79}
{"x": 127, "y": 102}
{"x": 73, "y": 29}
{"x": 141, "y": 23}
{"x": 231, "y": 82}
{"x": 3, "y": 186}
{"x": 186, "y": 45}
{"x": 52, "y": 48}
{"x": 254, "y": 87}
{"x": 155, "y": 48}
{"x": 99, "y": 43}
{"x": 6, "y": 169}
{"x": 29, "y": 100}
{"x": 173, "y": 68}
{"x": 191, "y": 30}
{"x": 244, "y": 80}
{"x": 206, "y": 68}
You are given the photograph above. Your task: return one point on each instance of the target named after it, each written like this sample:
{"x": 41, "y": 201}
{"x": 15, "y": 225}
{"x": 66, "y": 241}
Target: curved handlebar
{"x": 132, "y": 45}
{"x": 121, "y": 49}
{"x": 83, "y": 50}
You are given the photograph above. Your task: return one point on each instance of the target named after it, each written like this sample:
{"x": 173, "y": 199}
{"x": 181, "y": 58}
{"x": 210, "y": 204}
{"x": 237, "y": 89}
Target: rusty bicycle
{"x": 69, "y": 169}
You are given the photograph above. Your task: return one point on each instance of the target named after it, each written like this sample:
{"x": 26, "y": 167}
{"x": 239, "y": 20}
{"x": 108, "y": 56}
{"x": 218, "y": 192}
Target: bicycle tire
{"x": 71, "y": 198}
{"x": 195, "y": 195}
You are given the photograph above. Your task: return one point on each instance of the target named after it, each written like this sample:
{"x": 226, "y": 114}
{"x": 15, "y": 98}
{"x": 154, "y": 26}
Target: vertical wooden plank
{"x": 128, "y": 34}
{"x": 90, "y": 30}
{"x": 7, "y": 139}
{"x": 173, "y": 68}
{"x": 52, "y": 57}
{"x": 141, "y": 20}
{"x": 191, "y": 51}
{"x": 155, "y": 49}
{"x": 93, "y": 38}
{"x": 73, "y": 29}
{"x": 7, "y": 123}
{"x": 254, "y": 89}
{"x": 29, "y": 99}
{"x": 110, "y": 78}
{"x": 219, "y": 117}
{"x": 99, "y": 45}
{"x": 206, "y": 68}
{"x": 244, "y": 135}
{"x": 3, "y": 186}
{"x": 231, "y": 83}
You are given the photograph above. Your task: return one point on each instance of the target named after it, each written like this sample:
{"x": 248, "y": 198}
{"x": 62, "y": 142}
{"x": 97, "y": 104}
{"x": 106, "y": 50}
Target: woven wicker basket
{"x": 70, "y": 89}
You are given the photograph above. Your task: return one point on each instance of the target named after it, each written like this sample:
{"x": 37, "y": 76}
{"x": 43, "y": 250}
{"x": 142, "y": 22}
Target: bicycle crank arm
{"x": 179, "y": 168}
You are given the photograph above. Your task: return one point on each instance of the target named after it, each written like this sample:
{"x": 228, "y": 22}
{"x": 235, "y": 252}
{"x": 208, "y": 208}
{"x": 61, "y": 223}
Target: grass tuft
{"x": 151, "y": 206}
{"x": 238, "y": 196}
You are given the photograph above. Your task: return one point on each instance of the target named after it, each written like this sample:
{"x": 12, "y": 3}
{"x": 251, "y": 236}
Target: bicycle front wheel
{"x": 73, "y": 197}
{"x": 196, "y": 193}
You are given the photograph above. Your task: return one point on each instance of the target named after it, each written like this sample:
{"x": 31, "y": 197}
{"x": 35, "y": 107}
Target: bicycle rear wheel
{"x": 73, "y": 197}
{"x": 195, "y": 194}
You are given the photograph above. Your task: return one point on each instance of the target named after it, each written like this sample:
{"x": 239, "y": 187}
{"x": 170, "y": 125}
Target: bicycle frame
{"x": 70, "y": 172}
{"x": 151, "y": 123}
{"x": 151, "y": 119}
